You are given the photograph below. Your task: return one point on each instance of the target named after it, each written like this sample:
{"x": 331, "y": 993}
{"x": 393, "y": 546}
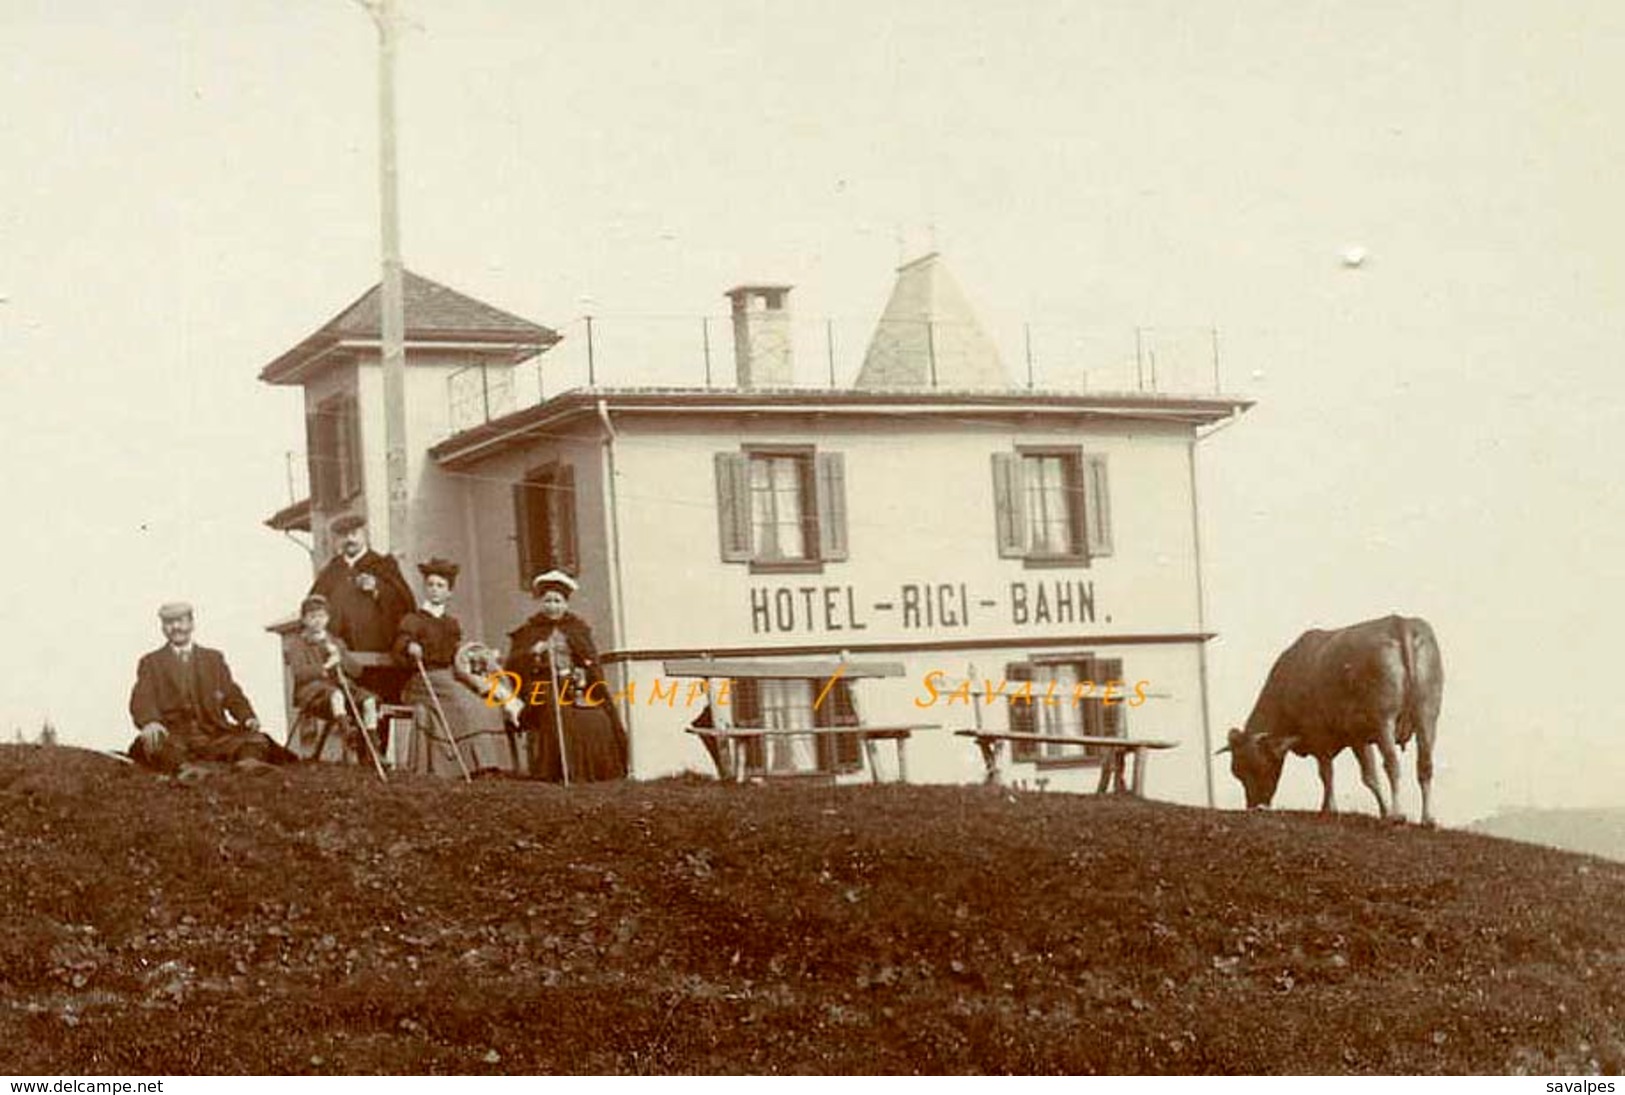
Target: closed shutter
{"x": 1097, "y": 510}
{"x": 831, "y": 490}
{"x": 746, "y": 696}
{"x": 733, "y": 507}
{"x": 1009, "y": 505}
{"x": 1023, "y": 713}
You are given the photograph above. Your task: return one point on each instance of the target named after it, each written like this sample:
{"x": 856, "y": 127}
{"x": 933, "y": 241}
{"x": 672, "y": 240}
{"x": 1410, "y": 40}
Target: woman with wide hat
{"x": 449, "y": 708}
{"x": 554, "y": 649}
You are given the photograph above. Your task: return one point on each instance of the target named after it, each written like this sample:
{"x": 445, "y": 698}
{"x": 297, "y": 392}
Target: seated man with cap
{"x": 325, "y": 673}
{"x": 366, "y": 597}
{"x": 188, "y": 708}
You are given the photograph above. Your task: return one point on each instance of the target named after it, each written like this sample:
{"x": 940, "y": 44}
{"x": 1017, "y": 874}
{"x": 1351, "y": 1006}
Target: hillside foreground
{"x": 315, "y": 920}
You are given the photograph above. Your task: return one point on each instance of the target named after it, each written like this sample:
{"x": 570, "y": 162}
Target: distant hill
{"x": 315, "y": 920}
{"x": 1593, "y": 832}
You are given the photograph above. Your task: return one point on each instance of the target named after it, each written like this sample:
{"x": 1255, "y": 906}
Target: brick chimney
{"x": 761, "y": 316}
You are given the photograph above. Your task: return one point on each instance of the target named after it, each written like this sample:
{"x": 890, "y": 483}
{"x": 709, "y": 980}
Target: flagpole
{"x": 392, "y": 294}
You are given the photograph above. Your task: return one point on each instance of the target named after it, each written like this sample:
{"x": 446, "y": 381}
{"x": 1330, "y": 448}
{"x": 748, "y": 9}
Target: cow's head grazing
{"x": 1256, "y": 759}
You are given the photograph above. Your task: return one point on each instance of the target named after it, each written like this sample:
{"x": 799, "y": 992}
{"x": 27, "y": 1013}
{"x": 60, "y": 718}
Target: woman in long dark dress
{"x": 594, "y": 740}
{"x": 431, "y": 637}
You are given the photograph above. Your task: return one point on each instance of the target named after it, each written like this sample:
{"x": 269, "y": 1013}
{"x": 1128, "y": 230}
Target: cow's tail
{"x": 1410, "y": 716}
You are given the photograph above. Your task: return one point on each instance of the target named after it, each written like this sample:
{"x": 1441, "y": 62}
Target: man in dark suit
{"x": 366, "y": 596}
{"x": 188, "y": 708}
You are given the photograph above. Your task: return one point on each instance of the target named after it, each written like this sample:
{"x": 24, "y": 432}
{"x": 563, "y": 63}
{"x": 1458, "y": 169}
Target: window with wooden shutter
{"x": 545, "y": 522}
{"x": 1023, "y": 711}
{"x": 319, "y": 450}
{"x": 831, "y": 489}
{"x": 1097, "y": 509}
{"x": 1051, "y": 506}
{"x": 733, "y": 507}
{"x": 1079, "y": 710}
{"x": 746, "y": 696}
{"x": 333, "y": 452}
{"x": 837, "y": 752}
{"x": 1113, "y": 721}
{"x": 1009, "y": 502}
{"x": 781, "y": 507}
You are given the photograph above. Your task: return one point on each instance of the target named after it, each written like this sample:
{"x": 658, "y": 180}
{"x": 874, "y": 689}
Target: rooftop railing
{"x": 827, "y": 354}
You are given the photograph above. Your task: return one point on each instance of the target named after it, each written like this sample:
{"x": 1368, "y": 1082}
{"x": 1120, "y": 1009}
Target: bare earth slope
{"x": 314, "y": 920}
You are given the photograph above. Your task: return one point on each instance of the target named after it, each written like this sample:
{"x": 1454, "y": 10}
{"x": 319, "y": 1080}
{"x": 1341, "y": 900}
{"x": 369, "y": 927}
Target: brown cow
{"x": 1371, "y": 687}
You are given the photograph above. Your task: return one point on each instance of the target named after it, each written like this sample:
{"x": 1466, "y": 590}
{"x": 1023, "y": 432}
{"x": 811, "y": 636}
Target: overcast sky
{"x": 189, "y": 188}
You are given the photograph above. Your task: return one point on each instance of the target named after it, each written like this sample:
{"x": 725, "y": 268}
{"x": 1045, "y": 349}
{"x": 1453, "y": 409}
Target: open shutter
{"x": 347, "y": 448}
{"x": 521, "y": 533}
{"x": 830, "y": 482}
{"x": 1097, "y": 509}
{"x": 733, "y": 507}
{"x": 321, "y": 441}
{"x": 1009, "y": 505}
{"x": 1112, "y": 722}
{"x": 842, "y": 752}
{"x": 1023, "y": 714}
{"x": 561, "y": 519}
{"x": 746, "y": 698}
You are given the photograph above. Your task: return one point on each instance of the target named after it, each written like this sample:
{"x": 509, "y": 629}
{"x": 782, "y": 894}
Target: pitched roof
{"x": 928, "y": 337}
{"x": 434, "y": 313}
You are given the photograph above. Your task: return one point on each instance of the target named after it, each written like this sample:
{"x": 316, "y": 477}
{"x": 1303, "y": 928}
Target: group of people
{"x": 187, "y": 708}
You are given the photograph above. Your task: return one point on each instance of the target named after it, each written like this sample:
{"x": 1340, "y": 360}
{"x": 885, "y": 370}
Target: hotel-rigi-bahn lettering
{"x": 918, "y": 606}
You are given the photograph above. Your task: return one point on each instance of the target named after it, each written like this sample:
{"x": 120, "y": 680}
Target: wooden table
{"x": 990, "y": 742}
{"x": 736, "y": 737}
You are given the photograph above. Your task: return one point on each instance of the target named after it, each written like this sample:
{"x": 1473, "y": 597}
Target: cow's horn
{"x": 1221, "y": 749}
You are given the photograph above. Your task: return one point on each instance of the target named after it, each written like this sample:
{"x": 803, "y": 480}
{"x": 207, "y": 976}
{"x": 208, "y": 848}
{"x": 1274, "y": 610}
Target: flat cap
{"x": 315, "y": 600}
{"x": 174, "y": 610}
{"x": 342, "y": 526}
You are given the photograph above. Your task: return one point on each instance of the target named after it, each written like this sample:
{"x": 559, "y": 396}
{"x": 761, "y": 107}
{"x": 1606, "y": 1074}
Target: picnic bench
{"x": 1116, "y": 751}
{"x": 727, "y": 743}
{"x": 735, "y": 738}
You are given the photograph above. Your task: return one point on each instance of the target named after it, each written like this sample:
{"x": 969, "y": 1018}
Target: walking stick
{"x": 361, "y": 728}
{"x": 440, "y": 712}
{"x": 558, "y": 713}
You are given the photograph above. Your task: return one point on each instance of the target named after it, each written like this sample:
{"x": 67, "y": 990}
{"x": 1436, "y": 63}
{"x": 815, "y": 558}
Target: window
{"x": 1051, "y": 505}
{"x": 781, "y": 507}
{"x": 333, "y": 434}
{"x": 773, "y": 703}
{"x": 545, "y": 519}
{"x": 1079, "y": 708}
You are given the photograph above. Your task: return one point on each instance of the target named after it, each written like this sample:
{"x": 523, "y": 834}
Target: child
{"x": 317, "y": 660}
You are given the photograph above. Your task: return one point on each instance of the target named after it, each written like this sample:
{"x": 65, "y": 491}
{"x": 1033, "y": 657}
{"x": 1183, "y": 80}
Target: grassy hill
{"x": 314, "y": 920}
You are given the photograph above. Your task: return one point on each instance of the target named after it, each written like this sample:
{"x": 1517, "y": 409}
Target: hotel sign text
{"x": 919, "y": 606}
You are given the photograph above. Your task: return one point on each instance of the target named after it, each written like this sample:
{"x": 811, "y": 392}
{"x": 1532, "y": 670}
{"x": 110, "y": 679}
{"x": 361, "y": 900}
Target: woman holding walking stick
{"x": 554, "y": 648}
{"x": 457, "y": 733}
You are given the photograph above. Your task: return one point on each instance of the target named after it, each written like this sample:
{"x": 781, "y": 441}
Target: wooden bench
{"x": 726, "y": 742}
{"x": 736, "y": 737}
{"x": 1111, "y": 766}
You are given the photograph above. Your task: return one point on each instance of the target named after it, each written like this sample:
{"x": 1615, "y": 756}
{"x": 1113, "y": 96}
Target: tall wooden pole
{"x": 392, "y": 294}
